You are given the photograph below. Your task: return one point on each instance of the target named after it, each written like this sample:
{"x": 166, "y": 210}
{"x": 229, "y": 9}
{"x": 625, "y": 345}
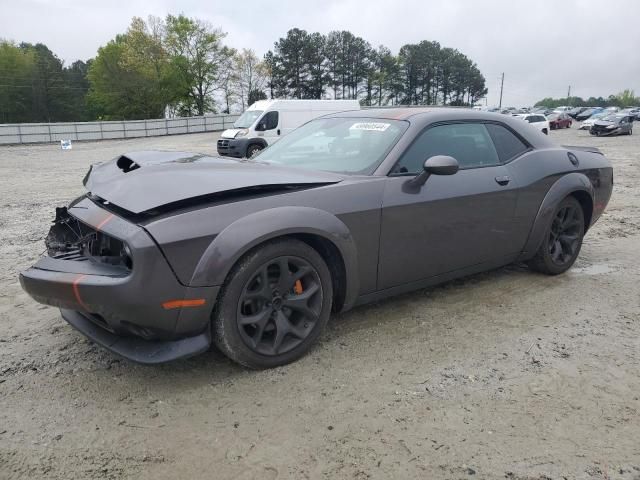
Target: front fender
{"x": 246, "y": 233}
{"x": 564, "y": 186}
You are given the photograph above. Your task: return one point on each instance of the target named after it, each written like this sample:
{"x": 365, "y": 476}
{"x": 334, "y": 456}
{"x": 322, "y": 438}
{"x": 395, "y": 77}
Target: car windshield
{"x": 247, "y": 118}
{"x": 612, "y": 118}
{"x": 341, "y": 145}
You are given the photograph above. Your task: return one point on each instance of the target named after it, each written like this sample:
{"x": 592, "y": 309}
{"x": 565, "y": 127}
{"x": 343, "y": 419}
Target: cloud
{"x": 542, "y": 46}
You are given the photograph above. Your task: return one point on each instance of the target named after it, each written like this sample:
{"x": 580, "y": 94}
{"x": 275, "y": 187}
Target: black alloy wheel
{"x": 280, "y": 305}
{"x": 562, "y": 240}
{"x": 274, "y": 304}
{"x": 565, "y": 234}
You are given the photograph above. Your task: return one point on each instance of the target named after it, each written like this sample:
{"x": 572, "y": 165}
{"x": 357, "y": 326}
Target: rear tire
{"x": 562, "y": 239}
{"x": 274, "y": 305}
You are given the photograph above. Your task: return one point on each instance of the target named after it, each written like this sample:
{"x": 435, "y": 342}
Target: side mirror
{"x": 436, "y": 165}
{"x": 261, "y": 127}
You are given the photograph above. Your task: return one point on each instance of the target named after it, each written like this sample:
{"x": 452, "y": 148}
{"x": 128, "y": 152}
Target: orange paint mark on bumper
{"x": 104, "y": 222}
{"x": 76, "y": 292}
{"x": 195, "y": 302}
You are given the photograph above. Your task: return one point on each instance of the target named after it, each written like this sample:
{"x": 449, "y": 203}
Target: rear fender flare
{"x": 564, "y": 186}
{"x": 248, "y": 232}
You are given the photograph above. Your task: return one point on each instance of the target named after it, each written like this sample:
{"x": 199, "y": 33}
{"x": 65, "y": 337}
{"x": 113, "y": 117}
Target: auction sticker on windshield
{"x": 371, "y": 126}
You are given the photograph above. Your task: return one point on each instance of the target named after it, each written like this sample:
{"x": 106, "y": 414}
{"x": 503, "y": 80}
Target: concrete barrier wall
{"x": 13, "y": 133}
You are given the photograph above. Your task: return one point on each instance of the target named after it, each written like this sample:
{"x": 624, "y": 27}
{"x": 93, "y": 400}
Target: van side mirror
{"x": 261, "y": 127}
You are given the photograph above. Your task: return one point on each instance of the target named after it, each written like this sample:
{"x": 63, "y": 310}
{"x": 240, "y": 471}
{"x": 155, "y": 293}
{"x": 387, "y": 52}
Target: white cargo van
{"x": 266, "y": 121}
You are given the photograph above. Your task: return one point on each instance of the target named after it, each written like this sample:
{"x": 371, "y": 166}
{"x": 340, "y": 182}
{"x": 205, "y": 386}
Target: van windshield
{"x": 247, "y": 118}
{"x": 341, "y": 145}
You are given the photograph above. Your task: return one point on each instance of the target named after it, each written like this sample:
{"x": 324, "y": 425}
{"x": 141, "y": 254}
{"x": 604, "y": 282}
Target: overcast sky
{"x": 542, "y": 46}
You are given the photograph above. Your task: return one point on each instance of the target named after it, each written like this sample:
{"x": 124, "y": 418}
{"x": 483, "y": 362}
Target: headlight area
{"x": 71, "y": 239}
{"x": 142, "y": 313}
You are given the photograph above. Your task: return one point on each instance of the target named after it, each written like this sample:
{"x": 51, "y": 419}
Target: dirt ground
{"x": 507, "y": 374}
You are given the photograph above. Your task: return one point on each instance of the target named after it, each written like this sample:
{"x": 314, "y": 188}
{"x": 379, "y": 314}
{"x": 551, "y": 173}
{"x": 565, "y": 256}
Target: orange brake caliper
{"x": 297, "y": 287}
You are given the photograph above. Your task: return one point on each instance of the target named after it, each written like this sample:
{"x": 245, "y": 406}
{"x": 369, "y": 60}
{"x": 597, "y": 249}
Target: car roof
{"x": 423, "y": 116}
{"x": 391, "y": 113}
{"x": 422, "y": 113}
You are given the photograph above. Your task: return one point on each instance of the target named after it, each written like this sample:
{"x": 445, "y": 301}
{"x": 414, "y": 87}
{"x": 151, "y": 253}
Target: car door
{"x": 625, "y": 123}
{"x": 269, "y": 127}
{"x": 451, "y": 222}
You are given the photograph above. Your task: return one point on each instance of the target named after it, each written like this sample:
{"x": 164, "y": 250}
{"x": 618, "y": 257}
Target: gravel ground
{"x": 507, "y": 374}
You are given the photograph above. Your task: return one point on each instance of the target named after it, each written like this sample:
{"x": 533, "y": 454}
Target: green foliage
{"x": 131, "y": 76}
{"x": 36, "y": 87}
{"x": 17, "y": 66}
{"x": 249, "y": 77}
{"x": 626, "y": 98}
{"x": 304, "y": 65}
{"x": 255, "y": 95}
{"x": 199, "y": 60}
{"x": 180, "y": 66}
{"x": 134, "y": 76}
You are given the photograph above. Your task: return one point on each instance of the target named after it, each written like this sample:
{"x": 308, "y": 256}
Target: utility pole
{"x": 501, "y": 87}
{"x": 569, "y": 95}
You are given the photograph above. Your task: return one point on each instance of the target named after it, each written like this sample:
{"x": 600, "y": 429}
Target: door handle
{"x": 503, "y": 180}
{"x": 278, "y": 132}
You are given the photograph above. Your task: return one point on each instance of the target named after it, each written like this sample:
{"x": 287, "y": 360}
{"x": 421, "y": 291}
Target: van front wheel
{"x": 253, "y": 150}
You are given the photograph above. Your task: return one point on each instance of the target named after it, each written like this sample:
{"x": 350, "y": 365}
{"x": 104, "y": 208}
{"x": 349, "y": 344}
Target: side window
{"x": 469, "y": 143}
{"x": 507, "y": 144}
{"x": 268, "y": 122}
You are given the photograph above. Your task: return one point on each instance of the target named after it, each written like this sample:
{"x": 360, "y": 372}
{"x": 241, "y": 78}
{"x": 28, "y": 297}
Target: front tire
{"x": 562, "y": 239}
{"x": 274, "y": 305}
{"x": 253, "y": 150}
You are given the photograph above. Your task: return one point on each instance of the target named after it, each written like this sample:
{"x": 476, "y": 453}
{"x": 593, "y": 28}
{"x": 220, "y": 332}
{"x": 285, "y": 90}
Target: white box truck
{"x": 266, "y": 121}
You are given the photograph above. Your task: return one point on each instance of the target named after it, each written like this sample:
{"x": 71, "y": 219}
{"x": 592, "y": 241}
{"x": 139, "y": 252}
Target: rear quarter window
{"x": 508, "y": 145}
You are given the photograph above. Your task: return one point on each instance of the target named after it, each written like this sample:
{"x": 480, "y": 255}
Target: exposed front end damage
{"x": 71, "y": 239}
{"x": 112, "y": 283}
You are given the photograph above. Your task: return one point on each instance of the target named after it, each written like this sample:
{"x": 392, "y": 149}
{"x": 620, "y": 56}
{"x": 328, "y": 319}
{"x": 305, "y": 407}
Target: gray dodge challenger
{"x": 170, "y": 252}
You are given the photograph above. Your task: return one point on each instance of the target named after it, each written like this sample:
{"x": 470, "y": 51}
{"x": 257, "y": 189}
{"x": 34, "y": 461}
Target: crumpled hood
{"x": 142, "y": 181}
{"x": 604, "y": 123}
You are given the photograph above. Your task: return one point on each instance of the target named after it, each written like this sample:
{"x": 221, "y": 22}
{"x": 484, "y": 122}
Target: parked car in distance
{"x": 266, "y": 121}
{"x": 542, "y": 110}
{"x": 170, "y": 252}
{"x": 588, "y": 123}
{"x": 536, "y": 120}
{"x": 631, "y": 111}
{"x": 574, "y": 112}
{"x": 588, "y": 112}
{"x": 613, "y": 124}
{"x": 559, "y": 120}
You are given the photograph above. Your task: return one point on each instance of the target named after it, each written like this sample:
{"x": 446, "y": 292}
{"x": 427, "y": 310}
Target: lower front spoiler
{"x": 147, "y": 352}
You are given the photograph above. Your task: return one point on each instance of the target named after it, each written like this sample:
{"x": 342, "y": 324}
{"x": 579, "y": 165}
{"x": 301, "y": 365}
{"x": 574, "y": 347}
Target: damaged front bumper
{"x": 114, "y": 285}
{"x": 232, "y": 147}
